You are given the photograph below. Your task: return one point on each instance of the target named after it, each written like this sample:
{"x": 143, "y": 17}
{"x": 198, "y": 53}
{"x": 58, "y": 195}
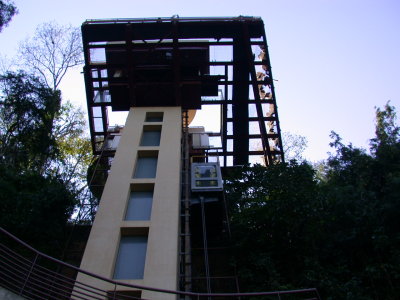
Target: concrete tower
{"x": 161, "y": 221}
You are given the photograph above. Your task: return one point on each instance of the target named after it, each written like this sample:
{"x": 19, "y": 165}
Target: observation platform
{"x": 186, "y": 62}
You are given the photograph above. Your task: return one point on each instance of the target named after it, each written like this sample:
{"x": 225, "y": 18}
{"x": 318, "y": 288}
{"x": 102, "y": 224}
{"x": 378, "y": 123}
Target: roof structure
{"x": 171, "y": 62}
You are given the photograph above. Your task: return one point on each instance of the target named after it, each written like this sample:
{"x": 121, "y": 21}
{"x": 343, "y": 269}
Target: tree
{"x": 35, "y": 208}
{"x": 275, "y": 217}
{"x": 39, "y": 134}
{"x": 293, "y": 145}
{"x": 36, "y": 201}
{"x": 44, "y": 151}
{"x": 362, "y": 195}
{"x": 74, "y": 156}
{"x": 387, "y": 133}
{"x": 74, "y": 148}
{"x": 28, "y": 110}
{"x": 339, "y": 233}
{"x": 52, "y": 51}
{"x": 7, "y": 11}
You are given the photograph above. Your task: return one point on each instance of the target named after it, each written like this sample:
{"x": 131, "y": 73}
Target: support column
{"x": 161, "y": 229}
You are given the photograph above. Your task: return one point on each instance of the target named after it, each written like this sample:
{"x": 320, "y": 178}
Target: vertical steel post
{"x": 205, "y": 245}
{"x": 29, "y": 274}
{"x": 263, "y": 130}
{"x": 187, "y": 251}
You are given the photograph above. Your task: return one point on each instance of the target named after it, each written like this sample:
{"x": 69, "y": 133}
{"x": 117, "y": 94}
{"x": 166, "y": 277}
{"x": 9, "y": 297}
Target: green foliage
{"x": 27, "y": 112}
{"x": 386, "y": 131}
{"x": 338, "y": 232}
{"x": 7, "y": 11}
{"x": 43, "y": 154}
{"x": 273, "y": 221}
{"x": 38, "y": 133}
{"x": 74, "y": 148}
{"x": 35, "y": 208}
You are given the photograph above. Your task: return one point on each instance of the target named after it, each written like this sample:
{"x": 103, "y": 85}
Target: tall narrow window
{"x": 146, "y": 164}
{"x": 131, "y": 257}
{"x": 151, "y": 136}
{"x": 139, "y": 206}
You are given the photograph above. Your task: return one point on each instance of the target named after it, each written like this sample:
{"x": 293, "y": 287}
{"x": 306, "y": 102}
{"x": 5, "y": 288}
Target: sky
{"x": 334, "y": 61}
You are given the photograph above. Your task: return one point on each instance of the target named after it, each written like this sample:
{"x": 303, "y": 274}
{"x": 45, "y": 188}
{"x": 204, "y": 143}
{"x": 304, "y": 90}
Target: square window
{"x": 154, "y": 116}
{"x": 151, "y": 136}
{"x": 139, "y": 206}
{"x": 146, "y": 164}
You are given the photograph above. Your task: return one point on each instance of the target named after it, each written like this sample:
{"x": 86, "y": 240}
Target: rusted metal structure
{"x": 181, "y": 62}
{"x": 169, "y": 62}
{"x": 191, "y": 63}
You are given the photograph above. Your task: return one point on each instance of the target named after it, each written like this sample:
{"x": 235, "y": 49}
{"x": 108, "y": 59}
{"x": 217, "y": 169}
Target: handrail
{"x": 172, "y": 19}
{"x": 9, "y": 270}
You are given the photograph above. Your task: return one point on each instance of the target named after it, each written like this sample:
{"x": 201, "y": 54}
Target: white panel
{"x": 206, "y": 177}
{"x": 200, "y": 141}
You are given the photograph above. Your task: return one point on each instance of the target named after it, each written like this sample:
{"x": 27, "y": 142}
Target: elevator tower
{"x": 162, "y": 221}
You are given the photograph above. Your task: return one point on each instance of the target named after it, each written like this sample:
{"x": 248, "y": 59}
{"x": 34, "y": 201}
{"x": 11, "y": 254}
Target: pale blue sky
{"x": 334, "y": 59}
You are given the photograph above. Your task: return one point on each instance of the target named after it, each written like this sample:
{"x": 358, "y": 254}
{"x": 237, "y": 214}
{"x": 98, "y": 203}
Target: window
{"x": 146, "y": 164}
{"x": 131, "y": 257}
{"x": 151, "y": 136}
{"x": 139, "y": 206}
{"x": 154, "y": 116}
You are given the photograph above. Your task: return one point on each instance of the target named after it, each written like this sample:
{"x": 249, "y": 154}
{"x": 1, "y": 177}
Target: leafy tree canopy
{"x": 28, "y": 109}
{"x": 42, "y": 153}
{"x": 339, "y": 233}
{"x": 7, "y": 11}
{"x": 35, "y": 208}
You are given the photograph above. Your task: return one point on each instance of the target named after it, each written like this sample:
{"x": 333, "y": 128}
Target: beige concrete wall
{"x": 161, "y": 269}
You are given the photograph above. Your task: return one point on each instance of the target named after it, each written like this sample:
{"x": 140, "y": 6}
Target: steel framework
{"x": 172, "y": 62}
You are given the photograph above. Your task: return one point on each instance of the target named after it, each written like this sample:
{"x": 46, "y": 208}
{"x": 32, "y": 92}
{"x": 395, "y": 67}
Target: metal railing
{"x": 34, "y": 275}
{"x": 170, "y": 19}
